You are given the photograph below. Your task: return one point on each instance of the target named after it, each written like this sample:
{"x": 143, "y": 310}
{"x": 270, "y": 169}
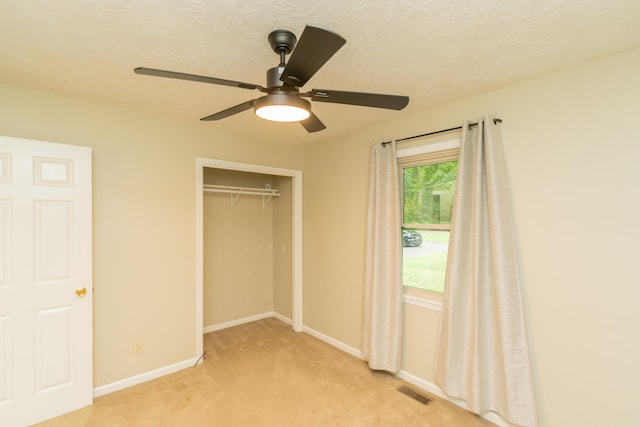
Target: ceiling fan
{"x": 283, "y": 100}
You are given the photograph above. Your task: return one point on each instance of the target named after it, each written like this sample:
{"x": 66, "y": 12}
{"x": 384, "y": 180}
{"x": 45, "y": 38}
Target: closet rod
{"x": 240, "y": 190}
{"x": 246, "y": 192}
{"x": 495, "y": 121}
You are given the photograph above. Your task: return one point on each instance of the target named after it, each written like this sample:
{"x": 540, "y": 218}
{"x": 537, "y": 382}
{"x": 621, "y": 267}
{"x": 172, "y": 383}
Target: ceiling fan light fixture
{"x": 282, "y": 100}
{"x": 282, "y": 108}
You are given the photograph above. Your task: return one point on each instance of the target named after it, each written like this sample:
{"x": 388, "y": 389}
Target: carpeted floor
{"x": 262, "y": 374}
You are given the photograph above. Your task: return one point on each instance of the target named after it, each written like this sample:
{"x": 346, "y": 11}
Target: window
{"x": 428, "y": 188}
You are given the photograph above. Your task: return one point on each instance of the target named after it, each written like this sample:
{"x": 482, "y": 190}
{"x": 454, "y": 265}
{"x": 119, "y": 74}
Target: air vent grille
{"x": 414, "y": 395}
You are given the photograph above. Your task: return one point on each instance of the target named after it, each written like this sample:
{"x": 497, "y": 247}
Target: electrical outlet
{"x": 137, "y": 347}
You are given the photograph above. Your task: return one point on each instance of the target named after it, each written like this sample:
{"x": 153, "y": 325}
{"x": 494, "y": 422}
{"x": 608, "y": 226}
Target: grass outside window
{"x": 424, "y": 267}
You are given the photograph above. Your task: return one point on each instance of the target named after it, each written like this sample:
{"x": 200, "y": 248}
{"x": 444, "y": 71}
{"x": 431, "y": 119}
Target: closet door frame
{"x": 296, "y": 215}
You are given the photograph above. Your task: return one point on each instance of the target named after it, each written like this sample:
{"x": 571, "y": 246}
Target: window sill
{"x": 422, "y": 302}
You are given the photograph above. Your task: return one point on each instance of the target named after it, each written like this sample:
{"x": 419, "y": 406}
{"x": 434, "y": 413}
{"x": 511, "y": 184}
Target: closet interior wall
{"x": 247, "y": 250}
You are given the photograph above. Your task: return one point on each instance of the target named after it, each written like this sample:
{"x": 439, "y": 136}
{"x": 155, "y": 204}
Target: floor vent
{"x": 414, "y": 395}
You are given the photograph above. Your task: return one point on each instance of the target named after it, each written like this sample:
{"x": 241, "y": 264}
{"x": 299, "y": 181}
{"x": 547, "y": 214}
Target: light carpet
{"x": 263, "y": 374}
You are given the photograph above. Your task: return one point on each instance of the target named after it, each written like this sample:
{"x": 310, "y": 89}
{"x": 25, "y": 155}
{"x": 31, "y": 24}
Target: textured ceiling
{"x": 434, "y": 51}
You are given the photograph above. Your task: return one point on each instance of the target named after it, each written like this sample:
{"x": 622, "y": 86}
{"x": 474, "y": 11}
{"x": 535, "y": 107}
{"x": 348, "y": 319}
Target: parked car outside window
{"x": 411, "y": 238}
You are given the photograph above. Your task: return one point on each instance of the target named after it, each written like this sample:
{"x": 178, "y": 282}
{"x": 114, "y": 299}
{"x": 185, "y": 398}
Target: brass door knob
{"x": 81, "y": 292}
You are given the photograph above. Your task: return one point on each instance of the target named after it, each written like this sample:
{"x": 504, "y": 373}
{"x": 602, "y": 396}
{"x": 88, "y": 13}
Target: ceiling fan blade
{"x": 392, "y": 102}
{"x": 312, "y": 124}
{"x": 230, "y": 111}
{"x": 195, "y": 78}
{"x": 313, "y": 50}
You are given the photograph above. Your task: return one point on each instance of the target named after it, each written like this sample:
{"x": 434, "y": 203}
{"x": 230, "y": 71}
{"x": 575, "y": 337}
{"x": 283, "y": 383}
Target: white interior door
{"x": 45, "y": 280}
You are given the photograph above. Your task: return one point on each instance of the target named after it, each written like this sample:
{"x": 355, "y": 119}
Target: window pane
{"x": 428, "y": 193}
{"x": 424, "y": 266}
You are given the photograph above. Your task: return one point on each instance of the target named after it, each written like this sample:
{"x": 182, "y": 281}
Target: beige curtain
{"x": 382, "y": 322}
{"x": 482, "y": 351}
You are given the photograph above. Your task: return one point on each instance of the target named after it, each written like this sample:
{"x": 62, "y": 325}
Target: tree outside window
{"x": 428, "y": 194}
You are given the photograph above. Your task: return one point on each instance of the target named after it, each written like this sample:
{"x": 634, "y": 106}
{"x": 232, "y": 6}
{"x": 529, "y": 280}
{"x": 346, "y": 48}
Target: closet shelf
{"x": 235, "y": 192}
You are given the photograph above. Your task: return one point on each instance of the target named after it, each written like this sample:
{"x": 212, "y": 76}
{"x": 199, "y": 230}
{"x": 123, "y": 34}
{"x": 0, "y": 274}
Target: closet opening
{"x": 249, "y": 245}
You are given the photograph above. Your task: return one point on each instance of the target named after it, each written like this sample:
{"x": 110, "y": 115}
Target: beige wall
{"x": 282, "y": 247}
{"x": 237, "y": 250}
{"x": 572, "y": 145}
{"x": 144, "y": 217}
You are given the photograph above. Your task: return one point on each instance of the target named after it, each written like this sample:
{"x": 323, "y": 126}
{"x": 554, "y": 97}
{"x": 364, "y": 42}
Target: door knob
{"x": 81, "y": 292}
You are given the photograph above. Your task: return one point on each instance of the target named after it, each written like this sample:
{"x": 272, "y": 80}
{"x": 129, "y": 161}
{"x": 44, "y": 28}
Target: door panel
{"x": 53, "y": 337}
{"x": 5, "y": 358}
{"x": 53, "y": 227}
{"x": 5, "y": 243}
{"x": 45, "y": 255}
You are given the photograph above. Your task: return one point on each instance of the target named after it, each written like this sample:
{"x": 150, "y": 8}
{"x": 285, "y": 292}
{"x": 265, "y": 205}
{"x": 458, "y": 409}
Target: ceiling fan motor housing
{"x": 273, "y": 77}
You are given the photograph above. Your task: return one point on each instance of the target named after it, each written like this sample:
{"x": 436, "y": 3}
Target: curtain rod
{"x": 495, "y": 121}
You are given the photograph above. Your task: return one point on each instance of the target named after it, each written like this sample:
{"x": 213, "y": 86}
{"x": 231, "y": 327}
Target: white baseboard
{"x": 237, "y": 322}
{"x": 422, "y": 383}
{"x": 141, "y": 378}
{"x": 334, "y": 342}
{"x": 282, "y": 318}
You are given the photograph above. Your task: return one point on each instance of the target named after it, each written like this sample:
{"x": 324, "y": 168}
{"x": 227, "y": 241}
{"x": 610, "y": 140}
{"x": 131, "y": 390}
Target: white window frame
{"x": 419, "y": 297}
